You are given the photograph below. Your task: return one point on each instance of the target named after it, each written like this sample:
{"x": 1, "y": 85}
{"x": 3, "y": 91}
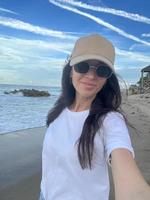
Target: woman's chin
{"x": 88, "y": 95}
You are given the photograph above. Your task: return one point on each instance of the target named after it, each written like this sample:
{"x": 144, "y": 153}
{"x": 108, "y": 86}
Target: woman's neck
{"x": 81, "y": 104}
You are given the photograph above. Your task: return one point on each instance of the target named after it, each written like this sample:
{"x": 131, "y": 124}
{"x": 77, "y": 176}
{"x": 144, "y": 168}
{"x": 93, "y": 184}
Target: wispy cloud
{"x": 146, "y": 34}
{"x": 15, "y": 51}
{"x": 21, "y": 59}
{"x": 8, "y": 11}
{"x": 140, "y": 47}
{"x": 21, "y": 56}
{"x": 17, "y": 24}
{"x": 135, "y": 56}
{"x": 129, "y": 68}
{"x": 131, "y": 16}
{"x": 101, "y": 22}
{"x": 21, "y": 50}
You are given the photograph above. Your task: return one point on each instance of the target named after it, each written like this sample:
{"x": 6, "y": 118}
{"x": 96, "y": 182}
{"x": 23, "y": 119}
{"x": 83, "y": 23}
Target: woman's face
{"x": 89, "y": 84}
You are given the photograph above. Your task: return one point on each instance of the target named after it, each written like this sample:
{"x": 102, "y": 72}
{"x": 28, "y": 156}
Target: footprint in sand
{"x": 145, "y": 124}
{"x": 133, "y": 113}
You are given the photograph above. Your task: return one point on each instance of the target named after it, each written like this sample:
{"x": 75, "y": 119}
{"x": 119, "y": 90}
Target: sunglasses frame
{"x": 93, "y": 67}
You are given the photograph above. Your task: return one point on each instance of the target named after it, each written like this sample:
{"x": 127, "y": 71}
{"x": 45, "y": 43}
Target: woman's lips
{"x": 88, "y": 84}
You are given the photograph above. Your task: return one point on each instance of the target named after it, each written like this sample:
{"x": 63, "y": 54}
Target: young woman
{"x": 87, "y": 131}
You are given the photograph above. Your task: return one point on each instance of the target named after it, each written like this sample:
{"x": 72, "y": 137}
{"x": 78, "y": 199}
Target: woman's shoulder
{"x": 115, "y": 123}
{"x": 113, "y": 116}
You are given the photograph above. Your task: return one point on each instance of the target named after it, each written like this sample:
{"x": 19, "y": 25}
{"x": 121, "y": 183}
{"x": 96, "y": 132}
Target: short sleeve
{"x": 116, "y": 135}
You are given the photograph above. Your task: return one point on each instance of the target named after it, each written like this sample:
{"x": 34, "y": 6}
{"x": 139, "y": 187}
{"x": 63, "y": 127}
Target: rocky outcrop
{"x": 30, "y": 93}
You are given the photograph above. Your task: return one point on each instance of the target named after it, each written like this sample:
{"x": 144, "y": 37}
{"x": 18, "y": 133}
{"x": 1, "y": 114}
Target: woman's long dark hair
{"x": 107, "y": 99}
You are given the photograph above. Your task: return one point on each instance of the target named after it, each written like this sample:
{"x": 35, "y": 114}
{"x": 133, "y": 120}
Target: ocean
{"x": 18, "y": 112}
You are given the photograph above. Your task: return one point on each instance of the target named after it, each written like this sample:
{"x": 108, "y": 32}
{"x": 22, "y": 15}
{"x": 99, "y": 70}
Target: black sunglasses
{"x": 101, "y": 70}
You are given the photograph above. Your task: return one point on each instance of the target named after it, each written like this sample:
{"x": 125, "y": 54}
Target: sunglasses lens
{"x": 104, "y": 71}
{"x": 101, "y": 71}
{"x": 81, "y": 67}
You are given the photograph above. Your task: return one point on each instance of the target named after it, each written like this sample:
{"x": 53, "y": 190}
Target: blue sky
{"x": 37, "y": 36}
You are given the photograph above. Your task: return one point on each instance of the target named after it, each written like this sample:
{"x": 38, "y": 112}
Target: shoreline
{"x": 21, "y": 130}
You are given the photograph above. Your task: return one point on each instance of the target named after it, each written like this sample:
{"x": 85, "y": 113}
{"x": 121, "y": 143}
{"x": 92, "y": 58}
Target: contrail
{"x": 121, "y": 13}
{"x": 146, "y": 34}
{"x": 17, "y": 24}
{"x": 8, "y": 11}
{"x": 101, "y": 22}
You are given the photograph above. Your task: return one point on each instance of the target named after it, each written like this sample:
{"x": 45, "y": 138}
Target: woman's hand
{"x": 128, "y": 180}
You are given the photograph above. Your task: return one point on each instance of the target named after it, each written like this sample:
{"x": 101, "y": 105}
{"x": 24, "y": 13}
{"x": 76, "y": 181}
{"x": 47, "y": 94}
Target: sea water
{"x": 18, "y": 112}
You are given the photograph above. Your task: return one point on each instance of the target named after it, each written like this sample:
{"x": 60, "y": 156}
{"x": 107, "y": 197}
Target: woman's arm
{"x": 129, "y": 182}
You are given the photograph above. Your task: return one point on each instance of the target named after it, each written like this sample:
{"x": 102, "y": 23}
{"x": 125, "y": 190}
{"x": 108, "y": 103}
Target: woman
{"x": 86, "y": 132}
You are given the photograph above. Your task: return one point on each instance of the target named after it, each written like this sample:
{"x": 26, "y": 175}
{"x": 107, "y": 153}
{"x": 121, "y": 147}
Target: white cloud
{"x": 17, "y": 24}
{"x": 8, "y": 11}
{"x": 16, "y": 53}
{"x": 33, "y": 51}
{"x": 135, "y": 56}
{"x": 23, "y": 53}
{"x": 130, "y": 68}
{"x": 22, "y": 56}
{"x": 131, "y": 16}
{"x": 146, "y": 34}
{"x": 27, "y": 45}
{"x": 141, "y": 48}
{"x": 101, "y": 22}
{"x": 25, "y": 61}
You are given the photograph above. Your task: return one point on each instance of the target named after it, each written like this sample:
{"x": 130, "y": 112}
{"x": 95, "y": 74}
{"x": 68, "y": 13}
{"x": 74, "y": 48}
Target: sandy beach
{"x": 20, "y": 152}
{"x": 20, "y": 164}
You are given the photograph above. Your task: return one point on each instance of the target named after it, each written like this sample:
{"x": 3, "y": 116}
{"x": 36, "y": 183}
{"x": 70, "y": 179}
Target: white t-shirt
{"x": 62, "y": 176}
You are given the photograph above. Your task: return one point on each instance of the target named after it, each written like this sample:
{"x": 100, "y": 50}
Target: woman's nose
{"x": 91, "y": 73}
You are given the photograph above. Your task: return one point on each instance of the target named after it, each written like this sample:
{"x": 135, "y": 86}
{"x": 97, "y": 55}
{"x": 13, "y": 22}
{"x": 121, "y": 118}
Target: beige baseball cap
{"x": 95, "y": 47}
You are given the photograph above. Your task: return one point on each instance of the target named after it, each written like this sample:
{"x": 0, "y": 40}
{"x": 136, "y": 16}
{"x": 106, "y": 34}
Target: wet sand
{"x": 20, "y": 164}
{"x": 20, "y": 153}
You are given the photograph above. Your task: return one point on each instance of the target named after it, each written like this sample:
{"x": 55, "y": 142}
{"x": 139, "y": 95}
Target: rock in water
{"x": 30, "y": 93}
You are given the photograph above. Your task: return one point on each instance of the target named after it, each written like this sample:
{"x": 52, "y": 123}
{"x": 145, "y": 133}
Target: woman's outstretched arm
{"x": 128, "y": 180}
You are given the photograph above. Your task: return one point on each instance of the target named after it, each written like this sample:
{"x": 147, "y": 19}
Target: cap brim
{"x": 91, "y": 57}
